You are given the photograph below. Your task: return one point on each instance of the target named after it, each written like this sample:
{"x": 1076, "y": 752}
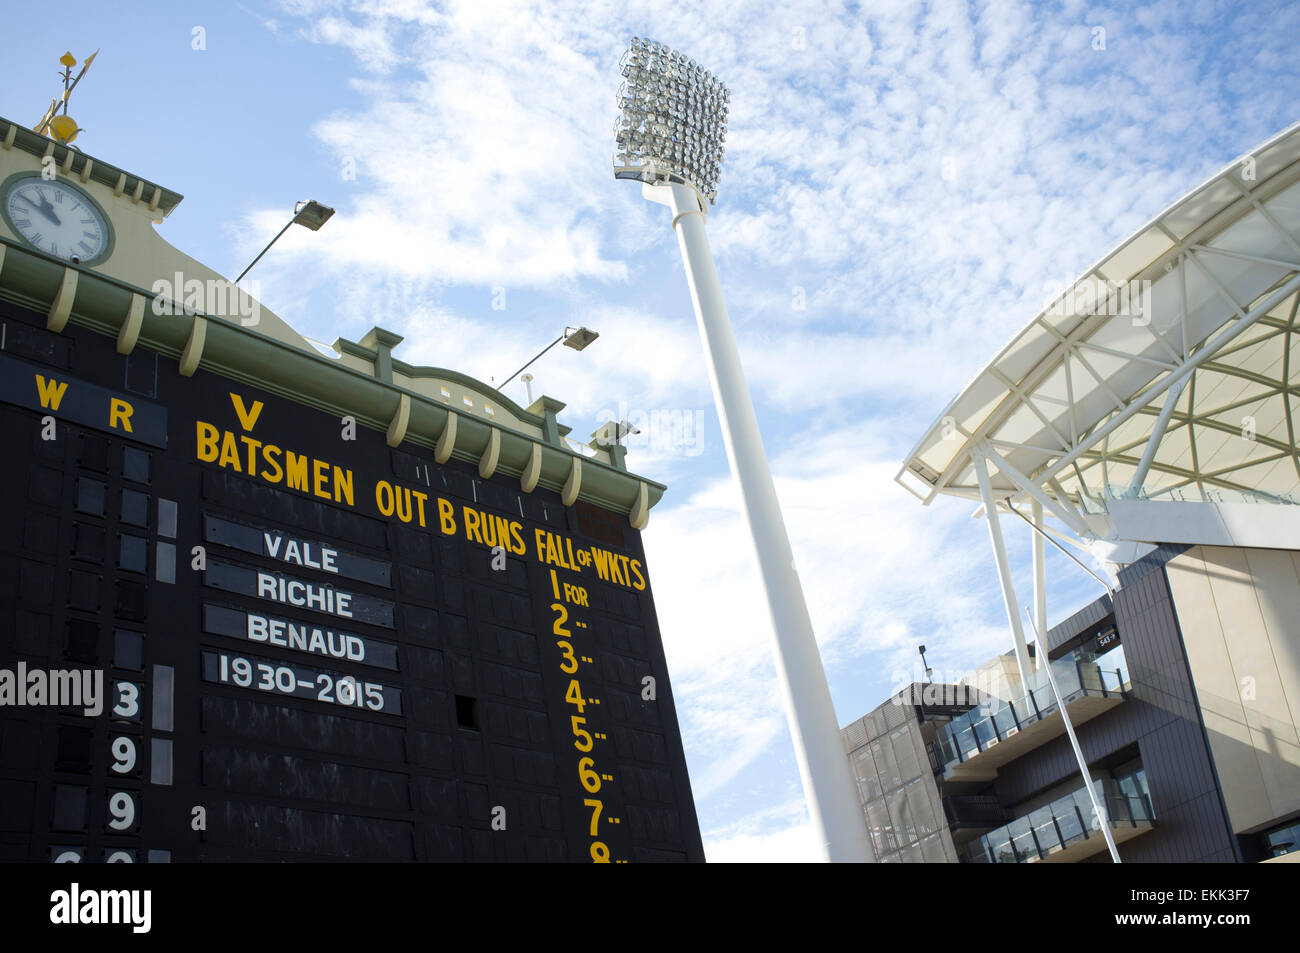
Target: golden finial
{"x": 63, "y": 128}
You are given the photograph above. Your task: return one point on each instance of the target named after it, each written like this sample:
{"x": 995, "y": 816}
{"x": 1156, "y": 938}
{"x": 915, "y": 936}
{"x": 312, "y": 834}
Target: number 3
{"x": 567, "y": 649}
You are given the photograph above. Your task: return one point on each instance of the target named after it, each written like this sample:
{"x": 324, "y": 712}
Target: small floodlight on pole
{"x": 670, "y": 137}
{"x": 576, "y": 338}
{"x": 309, "y": 214}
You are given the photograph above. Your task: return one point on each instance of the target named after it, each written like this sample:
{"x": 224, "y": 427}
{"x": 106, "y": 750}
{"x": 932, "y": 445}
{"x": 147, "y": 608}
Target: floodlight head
{"x": 673, "y": 120}
{"x": 580, "y": 337}
{"x": 311, "y": 214}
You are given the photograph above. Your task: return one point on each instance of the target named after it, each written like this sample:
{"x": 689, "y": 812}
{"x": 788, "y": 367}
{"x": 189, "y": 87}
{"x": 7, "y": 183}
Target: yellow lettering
{"x": 50, "y": 392}
{"x": 602, "y": 561}
{"x": 518, "y": 548}
{"x": 502, "y": 527}
{"x": 539, "y": 536}
{"x": 471, "y": 524}
{"x": 247, "y": 418}
{"x": 119, "y": 411}
{"x": 320, "y": 471}
{"x": 636, "y": 571}
{"x": 446, "y": 517}
{"x": 206, "y": 442}
{"x": 252, "y": 446}
{"x": 295, "y": 469}
{"x": 419, "y": 501}
{"x": 343, "y": 487}
{"x": 229, "y": 452}
{"x": 271, "y": 455}
{"x": 384, "y": 497}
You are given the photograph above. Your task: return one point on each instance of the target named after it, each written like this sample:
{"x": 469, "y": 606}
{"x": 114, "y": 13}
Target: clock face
{"x": 57, "y": 218}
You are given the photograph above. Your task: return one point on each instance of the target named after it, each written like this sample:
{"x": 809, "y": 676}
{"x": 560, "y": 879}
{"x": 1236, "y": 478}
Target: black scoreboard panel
{"x": 309, "y": 648}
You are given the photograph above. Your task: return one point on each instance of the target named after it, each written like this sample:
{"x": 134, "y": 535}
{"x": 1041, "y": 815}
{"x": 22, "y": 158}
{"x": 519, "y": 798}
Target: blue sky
{"x": 918, "y": 176}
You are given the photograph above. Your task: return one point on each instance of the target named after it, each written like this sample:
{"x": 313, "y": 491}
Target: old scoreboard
{"x": 238, "y": 625}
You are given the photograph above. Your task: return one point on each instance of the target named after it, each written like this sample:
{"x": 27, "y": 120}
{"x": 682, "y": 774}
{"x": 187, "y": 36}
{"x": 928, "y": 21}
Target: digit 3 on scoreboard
{"x": 587, "y": 725}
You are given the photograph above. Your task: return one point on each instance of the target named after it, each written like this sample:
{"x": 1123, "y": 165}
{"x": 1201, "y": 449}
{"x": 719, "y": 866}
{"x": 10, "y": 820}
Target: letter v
{"x": 247, "y": 418}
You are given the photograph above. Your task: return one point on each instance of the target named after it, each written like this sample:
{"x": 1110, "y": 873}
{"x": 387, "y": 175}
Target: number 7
{"x": 596, "y": 807}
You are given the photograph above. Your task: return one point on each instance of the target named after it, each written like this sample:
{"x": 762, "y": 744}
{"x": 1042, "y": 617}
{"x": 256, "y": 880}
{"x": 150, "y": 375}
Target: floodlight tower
{"x": 670, "y": 137}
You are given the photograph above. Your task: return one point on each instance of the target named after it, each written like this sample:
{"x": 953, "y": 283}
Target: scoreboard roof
{"x": 1142, "y": 378}
{"x": 145, "y": 292}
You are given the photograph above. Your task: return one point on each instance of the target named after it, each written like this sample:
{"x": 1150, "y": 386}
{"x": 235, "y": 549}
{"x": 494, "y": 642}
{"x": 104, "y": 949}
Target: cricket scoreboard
{"x": 289, "y": 641}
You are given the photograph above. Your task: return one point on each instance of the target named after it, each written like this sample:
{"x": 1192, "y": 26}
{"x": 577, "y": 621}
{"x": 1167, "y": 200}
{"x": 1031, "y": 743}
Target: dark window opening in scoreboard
{"x": 83, "y": 641}
{"x": 73, "y": 753}
{"x": 90, "y": 496}
{"x": 94, "y": 453}
{"x": 135, "y": 508}
{"x": 135, "y": 465}
{"x": 133, "y": 553}
{"x": 467, "y": 712}
{"x": 599, "y": 523}
{"x": 128, "y": 650}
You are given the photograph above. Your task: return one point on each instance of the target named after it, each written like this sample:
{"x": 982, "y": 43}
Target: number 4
{"x": 596, "y": 808}
{"x": 574, "y": 695}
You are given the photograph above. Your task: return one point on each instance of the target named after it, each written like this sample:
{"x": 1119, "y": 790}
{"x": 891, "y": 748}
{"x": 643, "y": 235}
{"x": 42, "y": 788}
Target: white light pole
{"x": 670, "y": 137}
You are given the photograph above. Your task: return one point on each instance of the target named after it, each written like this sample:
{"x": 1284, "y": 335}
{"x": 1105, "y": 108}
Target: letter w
{"x": 50, "y": 392}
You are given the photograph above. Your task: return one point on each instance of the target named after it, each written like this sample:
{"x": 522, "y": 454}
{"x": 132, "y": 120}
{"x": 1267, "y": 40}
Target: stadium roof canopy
{"x": 1165, "y": 372}
{"x": 1152, "y": 401}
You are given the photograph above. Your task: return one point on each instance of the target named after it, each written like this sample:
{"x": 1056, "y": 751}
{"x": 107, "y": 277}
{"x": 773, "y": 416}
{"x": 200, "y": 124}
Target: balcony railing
{"x": 984, "y": 726}
{"x": 1066, "y": 823}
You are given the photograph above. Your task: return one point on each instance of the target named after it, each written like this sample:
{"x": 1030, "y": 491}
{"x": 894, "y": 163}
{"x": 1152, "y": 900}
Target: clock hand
{"x": 49, "y": 214}
{"x": 49, "y": 209}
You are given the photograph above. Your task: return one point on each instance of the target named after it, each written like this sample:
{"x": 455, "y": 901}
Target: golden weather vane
{"x": 61, "y": 127}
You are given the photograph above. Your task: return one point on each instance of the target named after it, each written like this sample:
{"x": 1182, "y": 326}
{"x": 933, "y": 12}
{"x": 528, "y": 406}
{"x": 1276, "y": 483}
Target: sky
{"x": 905, "y": 184}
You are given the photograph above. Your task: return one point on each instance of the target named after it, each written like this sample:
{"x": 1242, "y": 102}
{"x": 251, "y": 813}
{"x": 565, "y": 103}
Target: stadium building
{"x": 1143, "y": 423}
{"x": 266, "y": 600}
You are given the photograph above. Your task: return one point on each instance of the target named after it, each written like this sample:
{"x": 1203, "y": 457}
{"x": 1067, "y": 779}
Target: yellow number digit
{"x": 599, "y": 853}
{"x": 558, "y": 627}
{"x": 596, "y": 808}
{"x": 574, "y": 695}
{"x": 567, "y": 648}
{"x": 582, "y": 737}
{"x": 589, "y": 778}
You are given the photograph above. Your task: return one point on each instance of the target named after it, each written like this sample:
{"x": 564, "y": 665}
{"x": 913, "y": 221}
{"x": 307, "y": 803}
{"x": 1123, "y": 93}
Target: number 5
{"x": 580, "y": 734}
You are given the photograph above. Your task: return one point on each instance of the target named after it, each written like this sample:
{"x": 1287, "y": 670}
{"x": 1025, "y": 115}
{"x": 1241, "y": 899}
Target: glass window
{"x": 133, "y": 553}
{"x": 886, "y": 765}
{"x": 1284, "y": 841}
{"x": 128, "y": 650}
{"x": 882, "y": 829}
{"x": 901, "y": 814}
{"x": 164, "y": 682}
{"x": 90, "y": 496}
{"x": 167, "y": 518}
{"x": 135, "y": 508}
{"x": 69, "y": 813}
{"x": 160, "y": 761}
{"x": 135, "y": 464}
{"x": 865, "y": 772}
{"x": 918, "y": 803}
{"x": 909, "y": 763}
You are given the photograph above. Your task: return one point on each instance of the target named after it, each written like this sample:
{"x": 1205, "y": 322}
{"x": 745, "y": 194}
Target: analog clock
{"x": 57, "y": 218}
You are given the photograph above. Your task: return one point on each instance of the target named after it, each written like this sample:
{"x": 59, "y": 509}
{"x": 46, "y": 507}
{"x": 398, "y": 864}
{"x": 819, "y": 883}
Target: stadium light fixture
{"x": 576, "y": 338}
{"x": 310, "y": 214}
{"x": 670, "y": 136}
